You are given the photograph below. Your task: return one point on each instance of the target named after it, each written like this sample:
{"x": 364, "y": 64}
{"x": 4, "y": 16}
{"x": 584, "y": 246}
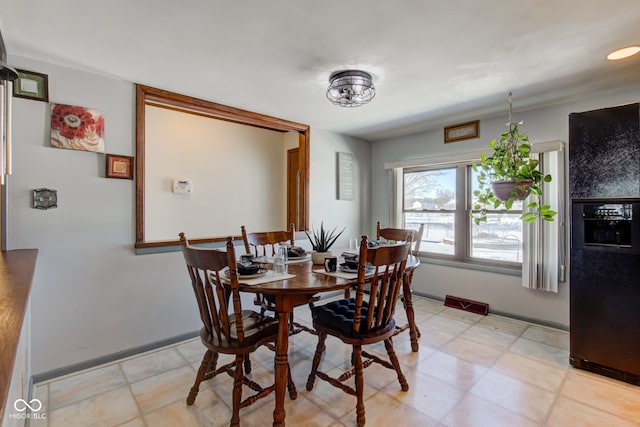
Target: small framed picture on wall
{"x": 119, "y": 166}
{"x": 462, "y": 131}
{"x": 31, "y": 85}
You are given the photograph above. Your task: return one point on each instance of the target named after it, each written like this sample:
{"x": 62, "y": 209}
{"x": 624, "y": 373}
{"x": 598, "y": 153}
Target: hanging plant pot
{"x": 511, "y": 160}
{"x": 503, "y": 190}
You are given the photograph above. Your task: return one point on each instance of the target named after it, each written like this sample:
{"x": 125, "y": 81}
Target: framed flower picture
{"x": 77, "y": 128}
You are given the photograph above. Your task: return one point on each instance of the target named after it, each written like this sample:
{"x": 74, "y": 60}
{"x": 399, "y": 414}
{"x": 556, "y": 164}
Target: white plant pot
{"x": 318, "y": 257}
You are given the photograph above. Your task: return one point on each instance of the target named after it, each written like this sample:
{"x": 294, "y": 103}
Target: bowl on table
{"x": 295, "y": 252}
{"x": 245, "y": 269}
{"x": 351, "y": 263}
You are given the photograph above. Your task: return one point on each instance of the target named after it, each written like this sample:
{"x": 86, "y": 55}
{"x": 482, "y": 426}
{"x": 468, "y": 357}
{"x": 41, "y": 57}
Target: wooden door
{"x": 293, "y": 187}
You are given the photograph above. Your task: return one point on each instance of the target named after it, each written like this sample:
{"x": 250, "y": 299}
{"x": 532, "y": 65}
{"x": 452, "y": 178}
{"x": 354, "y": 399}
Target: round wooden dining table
{"x": 292, "y": 292}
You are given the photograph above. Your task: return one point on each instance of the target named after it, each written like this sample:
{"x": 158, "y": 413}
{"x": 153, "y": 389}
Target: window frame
{"x": 463, "y": 223}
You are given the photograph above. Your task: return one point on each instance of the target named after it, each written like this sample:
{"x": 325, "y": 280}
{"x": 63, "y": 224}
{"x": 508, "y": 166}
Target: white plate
{"x": 298, "y": 257}
{"x": 261, "y": 272}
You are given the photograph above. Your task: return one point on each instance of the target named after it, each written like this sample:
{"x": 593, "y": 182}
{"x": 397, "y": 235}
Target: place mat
{"x": 269, "y": 277}
{"x": 338, "y": 273}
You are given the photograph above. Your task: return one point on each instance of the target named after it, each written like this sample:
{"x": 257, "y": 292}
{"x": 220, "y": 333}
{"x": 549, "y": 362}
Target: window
{"x": 500, "y": 238}
{"x": 437, "y": 190}
{"x": 439, "y": 197}
{"x": 430, "y": 199}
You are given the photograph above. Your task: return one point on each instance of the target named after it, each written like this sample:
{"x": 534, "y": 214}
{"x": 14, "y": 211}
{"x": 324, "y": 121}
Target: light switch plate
{"x": 45, "y": 198}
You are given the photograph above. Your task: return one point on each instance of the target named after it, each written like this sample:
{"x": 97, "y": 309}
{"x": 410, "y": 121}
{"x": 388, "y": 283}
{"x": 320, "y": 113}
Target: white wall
{"x": 503, "y": 293}
{"x": 236, "y": 171}
{"x": 323, "y": 205}
{"x": 91, "y": 295}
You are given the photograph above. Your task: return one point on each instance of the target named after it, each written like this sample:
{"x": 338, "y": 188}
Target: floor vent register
{"x": 466, "y": 305}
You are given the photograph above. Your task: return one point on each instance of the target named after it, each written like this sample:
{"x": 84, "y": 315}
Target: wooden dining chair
{"x": 414, "y": 238}
{"x": 402, "y": 235}
{"x": 227, "y": 328}
{"x": 363, "y": 320}
{"x": 265, "y": 243}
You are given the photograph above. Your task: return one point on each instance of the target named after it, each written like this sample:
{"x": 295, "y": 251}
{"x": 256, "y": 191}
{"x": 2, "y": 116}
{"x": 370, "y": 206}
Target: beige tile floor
{"x": 471, "y": 370}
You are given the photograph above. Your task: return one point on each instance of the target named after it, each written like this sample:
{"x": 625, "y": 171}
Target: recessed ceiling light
{"x": 625, "y": 52}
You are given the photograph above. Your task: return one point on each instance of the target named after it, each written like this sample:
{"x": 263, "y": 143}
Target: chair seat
{"x": 338, "y": 316}
{"x": 253, "y": 322}
{"x": 257, "y": 328}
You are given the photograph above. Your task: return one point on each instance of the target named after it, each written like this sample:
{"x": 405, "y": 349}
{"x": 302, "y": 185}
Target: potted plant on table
{"x": 509, "y": 175}
{"x": 321, "y": 242}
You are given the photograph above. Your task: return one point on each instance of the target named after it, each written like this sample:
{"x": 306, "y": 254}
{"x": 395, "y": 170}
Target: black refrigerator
{"x": 604, "y": 187}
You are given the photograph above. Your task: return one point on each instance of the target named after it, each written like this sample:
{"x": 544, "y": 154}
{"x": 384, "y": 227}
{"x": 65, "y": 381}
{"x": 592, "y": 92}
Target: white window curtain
{"x": 544, "y": 247}
{"x": 395, "y": 197}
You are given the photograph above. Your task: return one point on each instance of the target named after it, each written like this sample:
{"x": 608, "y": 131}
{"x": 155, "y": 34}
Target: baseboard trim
{"x": 109, "y": 358}
{"x": 554, "y": 325}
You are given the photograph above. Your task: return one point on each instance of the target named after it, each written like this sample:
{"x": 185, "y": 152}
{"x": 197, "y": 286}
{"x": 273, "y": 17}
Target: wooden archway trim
{"x": 146, "y": 95}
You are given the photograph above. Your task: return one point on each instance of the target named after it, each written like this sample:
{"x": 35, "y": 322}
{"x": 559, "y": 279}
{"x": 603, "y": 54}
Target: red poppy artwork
{"x": 77, "y": 128}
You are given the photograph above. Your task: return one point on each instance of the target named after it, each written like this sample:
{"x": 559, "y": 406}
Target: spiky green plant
{"x": 322, "y": 240}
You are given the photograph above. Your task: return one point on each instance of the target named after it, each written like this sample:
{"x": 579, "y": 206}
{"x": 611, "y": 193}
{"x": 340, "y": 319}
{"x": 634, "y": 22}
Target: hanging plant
{"x": 509, "y": 175}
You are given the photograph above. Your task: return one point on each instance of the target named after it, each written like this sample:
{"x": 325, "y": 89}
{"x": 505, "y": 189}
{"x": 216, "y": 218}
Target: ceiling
{"x": 434, "y": 62}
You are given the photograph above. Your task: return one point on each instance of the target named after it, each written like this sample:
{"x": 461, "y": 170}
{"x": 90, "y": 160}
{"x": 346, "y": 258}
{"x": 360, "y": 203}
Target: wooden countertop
{"x": 16, "y": 273}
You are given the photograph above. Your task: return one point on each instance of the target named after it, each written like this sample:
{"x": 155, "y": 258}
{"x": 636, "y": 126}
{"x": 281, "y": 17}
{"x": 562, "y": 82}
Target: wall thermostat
{"x": 182, "y": 186}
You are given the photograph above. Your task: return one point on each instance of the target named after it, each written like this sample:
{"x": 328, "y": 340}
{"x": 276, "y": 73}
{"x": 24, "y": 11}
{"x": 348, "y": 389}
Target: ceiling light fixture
{"x": 350, "y": 88}
{"x": 625, "y": 52}
{"x": 7, "y": 72}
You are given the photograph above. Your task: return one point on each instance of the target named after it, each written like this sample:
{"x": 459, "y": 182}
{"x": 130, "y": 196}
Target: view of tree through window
{"x": 430, "y": 199}
{"x": 438, "y": 198}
